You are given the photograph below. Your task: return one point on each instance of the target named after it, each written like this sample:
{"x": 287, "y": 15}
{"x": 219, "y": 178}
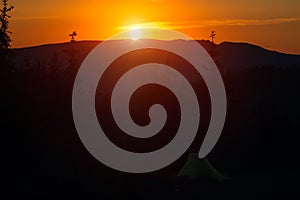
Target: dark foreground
{"x": 44, "y": 157}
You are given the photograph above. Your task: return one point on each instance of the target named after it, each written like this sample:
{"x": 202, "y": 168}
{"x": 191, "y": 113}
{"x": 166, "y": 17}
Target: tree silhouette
{"x": 212, "y": 36}
{"x": 4, "y": 32}
{"x": 72, "y": 35}
{"x": 71, "y": 52}
{"x": 5, "y": 36}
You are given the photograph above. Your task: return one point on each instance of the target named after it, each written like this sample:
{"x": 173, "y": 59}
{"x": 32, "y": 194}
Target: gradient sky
{"x": 272, "y": 24}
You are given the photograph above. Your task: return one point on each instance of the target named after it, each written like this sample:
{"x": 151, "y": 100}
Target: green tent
{"x": 196, "y": 168}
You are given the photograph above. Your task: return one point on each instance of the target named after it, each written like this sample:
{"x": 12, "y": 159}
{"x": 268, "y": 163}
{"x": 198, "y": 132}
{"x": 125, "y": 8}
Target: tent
{"x": 196, "y": 168}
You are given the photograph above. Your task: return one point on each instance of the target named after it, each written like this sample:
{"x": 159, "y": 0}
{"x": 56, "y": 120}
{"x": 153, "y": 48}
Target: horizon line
{"x": 206, "y": 40}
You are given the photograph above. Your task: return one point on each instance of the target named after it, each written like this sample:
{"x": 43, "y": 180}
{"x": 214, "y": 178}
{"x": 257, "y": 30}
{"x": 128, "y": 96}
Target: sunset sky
{"x": 271, "y": 24}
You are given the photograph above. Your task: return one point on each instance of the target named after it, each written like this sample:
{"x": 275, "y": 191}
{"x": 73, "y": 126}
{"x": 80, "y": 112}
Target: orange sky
{"x": 271, "y": 24}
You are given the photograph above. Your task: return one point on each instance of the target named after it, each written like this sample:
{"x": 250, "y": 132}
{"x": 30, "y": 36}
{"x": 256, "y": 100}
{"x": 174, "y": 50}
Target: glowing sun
{"x": 135, "y": 33}
{"x": 149, "y": 30}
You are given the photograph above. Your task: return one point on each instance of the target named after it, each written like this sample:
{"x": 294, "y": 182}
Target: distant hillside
{"x": 44, "y": 55}
{"x": 228, "y": 55}
{"x": 234, "y": 56}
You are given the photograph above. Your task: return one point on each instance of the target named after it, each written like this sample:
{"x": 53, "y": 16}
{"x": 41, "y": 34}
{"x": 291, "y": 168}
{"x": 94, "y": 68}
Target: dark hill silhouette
{"x": 228, "y": 55}
{"x": 237, "y": 56}
{"x": 258, "y": 147}
{"x": 26, "y": 58}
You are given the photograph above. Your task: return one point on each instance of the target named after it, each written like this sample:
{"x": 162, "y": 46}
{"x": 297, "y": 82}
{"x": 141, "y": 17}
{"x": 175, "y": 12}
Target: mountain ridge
{"x": 229, "y": 56}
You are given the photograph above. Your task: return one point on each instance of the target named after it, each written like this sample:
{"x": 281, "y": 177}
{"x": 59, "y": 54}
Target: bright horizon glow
{"x": 149, "y": 25}
{"x": 42, "y": 22}
{"x": 143, "y": 30}
{"x": 135, "y": 33}
{"x": 150, "y": 30}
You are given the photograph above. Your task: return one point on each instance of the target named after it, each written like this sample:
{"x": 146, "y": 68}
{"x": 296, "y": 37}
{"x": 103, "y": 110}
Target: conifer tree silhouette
{"x": 5, "y": 41}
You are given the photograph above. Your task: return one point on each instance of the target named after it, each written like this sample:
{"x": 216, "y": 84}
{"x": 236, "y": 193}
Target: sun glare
{"x": 141, "y": 31}
{"x": 135, "y": 33}
{"x": 149, "y": 30}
